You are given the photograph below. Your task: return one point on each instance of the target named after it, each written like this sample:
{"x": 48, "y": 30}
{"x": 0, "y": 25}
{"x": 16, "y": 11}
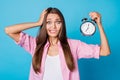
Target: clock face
{"x": 88, "y": 28}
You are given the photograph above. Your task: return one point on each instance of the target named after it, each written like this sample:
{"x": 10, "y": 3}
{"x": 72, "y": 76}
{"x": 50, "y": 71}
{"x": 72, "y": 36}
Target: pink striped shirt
{"x": 79, "y": 50}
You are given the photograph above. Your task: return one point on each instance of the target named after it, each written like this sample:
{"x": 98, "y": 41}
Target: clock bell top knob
{"x": 84, "y": 19}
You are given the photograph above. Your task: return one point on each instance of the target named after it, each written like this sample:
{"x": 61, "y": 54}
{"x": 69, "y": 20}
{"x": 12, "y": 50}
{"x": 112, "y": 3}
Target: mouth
{"x": 53, "y": 31}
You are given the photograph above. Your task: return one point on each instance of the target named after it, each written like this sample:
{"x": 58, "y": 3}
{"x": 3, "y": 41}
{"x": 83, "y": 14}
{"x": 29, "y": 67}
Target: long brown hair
{"x": 42, "y": 39}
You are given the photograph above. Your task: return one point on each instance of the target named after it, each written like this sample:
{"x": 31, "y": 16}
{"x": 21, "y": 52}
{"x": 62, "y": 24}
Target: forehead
{"x": 53, "y": 16}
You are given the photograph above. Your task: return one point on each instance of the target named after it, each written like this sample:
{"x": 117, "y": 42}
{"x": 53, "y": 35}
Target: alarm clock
{"x": 88, "y": 27}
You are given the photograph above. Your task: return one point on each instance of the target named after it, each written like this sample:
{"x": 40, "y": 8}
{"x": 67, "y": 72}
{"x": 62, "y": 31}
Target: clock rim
{"x": 87, "y": 34}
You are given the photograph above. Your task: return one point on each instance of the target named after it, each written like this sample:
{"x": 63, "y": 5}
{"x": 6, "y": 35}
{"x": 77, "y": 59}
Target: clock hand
{"x": 87, "y": 28}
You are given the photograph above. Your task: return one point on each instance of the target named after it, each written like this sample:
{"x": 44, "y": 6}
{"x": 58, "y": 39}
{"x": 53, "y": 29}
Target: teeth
{"x": 52, "y": 31}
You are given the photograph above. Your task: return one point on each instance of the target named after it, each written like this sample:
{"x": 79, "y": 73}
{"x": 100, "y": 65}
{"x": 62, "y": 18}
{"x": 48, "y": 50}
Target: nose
{"x": 54, "y": 25}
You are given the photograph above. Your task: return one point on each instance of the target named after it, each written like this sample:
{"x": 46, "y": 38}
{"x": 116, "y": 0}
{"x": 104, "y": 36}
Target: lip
{"x": 53, "y": 31}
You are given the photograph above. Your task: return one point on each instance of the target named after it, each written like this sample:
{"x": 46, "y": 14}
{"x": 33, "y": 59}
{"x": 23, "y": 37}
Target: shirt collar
{"x": 48, "y": 44}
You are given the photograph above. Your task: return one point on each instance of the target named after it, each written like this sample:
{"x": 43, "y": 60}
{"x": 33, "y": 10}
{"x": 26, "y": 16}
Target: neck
{"x": 53, "y": 41}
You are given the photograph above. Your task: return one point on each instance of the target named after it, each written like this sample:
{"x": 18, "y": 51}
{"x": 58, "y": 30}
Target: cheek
{"x": 47, "y": 27}
{"x": 59, "y": 27}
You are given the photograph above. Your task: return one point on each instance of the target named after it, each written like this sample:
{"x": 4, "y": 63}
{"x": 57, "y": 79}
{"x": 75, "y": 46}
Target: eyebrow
{"x": 55, "y": 19}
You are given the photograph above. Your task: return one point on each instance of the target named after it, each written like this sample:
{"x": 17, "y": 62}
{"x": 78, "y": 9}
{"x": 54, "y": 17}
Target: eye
{"x": 58, "y": 22}
{"x": 49, "y": 22}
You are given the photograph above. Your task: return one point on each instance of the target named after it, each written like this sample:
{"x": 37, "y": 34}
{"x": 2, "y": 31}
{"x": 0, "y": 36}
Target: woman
{"x": 54, "y": 55}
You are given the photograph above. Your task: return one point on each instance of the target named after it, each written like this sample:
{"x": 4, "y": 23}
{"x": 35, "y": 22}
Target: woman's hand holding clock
{"x": 88, "y": 26}
{"x": 104, "y": 47}
{"x": 96, "y": 17}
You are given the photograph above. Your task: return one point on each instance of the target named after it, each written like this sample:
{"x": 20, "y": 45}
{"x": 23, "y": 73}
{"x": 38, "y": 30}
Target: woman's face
{"x": 53, "y": 25}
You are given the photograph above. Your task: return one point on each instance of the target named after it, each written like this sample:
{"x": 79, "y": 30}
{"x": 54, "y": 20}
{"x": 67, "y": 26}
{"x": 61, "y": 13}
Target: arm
{"x": 104, "y": 47}
{"x": 14, "y": 30}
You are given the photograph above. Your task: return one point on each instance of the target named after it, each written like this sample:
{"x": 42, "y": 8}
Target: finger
{"x": 94, "y": 15}
{"x": 44, "y": 11}
{"x": 91, "y": 14}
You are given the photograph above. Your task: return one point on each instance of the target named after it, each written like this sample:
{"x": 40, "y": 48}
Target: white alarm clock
{"x": 87, "y": 27}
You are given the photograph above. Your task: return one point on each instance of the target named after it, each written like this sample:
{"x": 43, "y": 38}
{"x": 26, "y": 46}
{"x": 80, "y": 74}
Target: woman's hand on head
{"x": 95, "y": 16}
{"x": 40, "y": 21}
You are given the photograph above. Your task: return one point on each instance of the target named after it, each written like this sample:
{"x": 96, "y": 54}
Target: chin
{"x": 53, "y": 36}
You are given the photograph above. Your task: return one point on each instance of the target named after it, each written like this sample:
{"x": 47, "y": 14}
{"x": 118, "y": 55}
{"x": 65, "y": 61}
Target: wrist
{"x": 38, "y": 23}
{"x": 99, "y": 23}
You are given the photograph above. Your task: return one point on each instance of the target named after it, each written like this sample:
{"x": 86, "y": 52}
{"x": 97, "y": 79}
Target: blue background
{"x": 15, "y": 62}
